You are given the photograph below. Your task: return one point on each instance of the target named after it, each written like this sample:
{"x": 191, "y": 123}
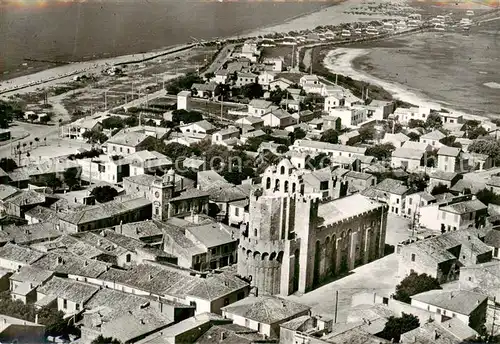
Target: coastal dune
{"x": 340, "y": 61}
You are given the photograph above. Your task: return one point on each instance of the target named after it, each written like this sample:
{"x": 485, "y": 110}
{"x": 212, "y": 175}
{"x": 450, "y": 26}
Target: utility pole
{"x": 494, "y": 315}
{"x": 221, "y": 105}
{"x": 336, "y": 305}
{"x": 311, "y": 61}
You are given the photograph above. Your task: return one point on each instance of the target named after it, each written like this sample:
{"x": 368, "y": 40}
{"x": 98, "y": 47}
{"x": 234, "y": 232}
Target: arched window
{"x": 282, "y": 170}
{"x": 277, "y": 185}
{"x": 293, "y": 187}
{"x": 268, "y": 183}
{"x": 286, "y": 185}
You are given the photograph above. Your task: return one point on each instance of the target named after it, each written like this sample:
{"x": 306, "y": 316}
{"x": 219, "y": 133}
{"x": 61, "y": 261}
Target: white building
{"x": 311, "y": 84}
{"x": 265, "y": 78}
{"x": 350, "y": 118}
{"x": 184, "y": 100}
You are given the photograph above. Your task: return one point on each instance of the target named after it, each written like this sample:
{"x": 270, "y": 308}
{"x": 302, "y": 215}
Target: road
{"x": 380, "y": 276}
{"x": 34, "y": 130}
{"x": 221, "y": 58}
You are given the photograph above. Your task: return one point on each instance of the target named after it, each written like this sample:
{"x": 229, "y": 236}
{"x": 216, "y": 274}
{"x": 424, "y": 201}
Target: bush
{"x": 395, "y": 326}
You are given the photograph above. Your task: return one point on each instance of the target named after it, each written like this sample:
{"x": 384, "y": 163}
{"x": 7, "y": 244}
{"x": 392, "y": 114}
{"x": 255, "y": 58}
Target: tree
{"x": 415, "y": 284}
{"x": 396, "y": 326}
{"x": 277, "y": 95}
{"x": 330, "y": 136}
{"x": 413, "y": 136}
{"x": 366, "y": 133}
{"x": 175, "y": 150}
{"x": 222, "y": 91}
{"x": 252, "y": 91}
{"x": 105, "y": 340}
{"x": 184, "y": 82}
{"x": 282, "y": 149}
{"x": 32, "y": 117}
{"x": 131, "y": 121}
{"x": 37, "y": 140}
{"x": 113, "y": 122}
{"x": 71, "y": 177}
{"x": 417, "y": 182}
{"x": 104, "y": 193}
{"x": 440, "y": 189}
{"x": 7, "y": 164}
{"x": 95, "y": 136}
{"x": 433, "y": 121}
{"x": 186, "y": 117}
{"x": 448, "y": 140}
{"x": 209, "y": 75}
{"x": 8, "y": 113}
{"x": 416, "y": 123}
{"x": 51, "y": 181}
{"x": 381, "y": 151}
{"x": 487, "y": 196}
{"x": 477, "y": 132}
{"x": 299, "y": 134}
{"x": 486, "y": 146}
{"x": 319, "y": 161}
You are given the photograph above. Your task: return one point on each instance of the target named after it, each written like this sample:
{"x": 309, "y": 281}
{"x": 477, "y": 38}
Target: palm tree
{"x": 37, "y": 140}
{"x": 24, "y": 144}
{"x": 45, "y": 140}
{"x": 31, "y": 144}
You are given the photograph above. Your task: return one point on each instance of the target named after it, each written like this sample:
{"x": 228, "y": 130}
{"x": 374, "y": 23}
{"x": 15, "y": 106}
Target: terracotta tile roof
{"x": 458, "y": 301}
{"x": 68, "y": 289}
{"x": 19, "y": 254}
{"x": 266, "y": 309}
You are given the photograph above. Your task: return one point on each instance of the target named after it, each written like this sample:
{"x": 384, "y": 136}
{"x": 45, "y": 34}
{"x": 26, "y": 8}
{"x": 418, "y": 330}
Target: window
{"x": 409, "y": 211}
{"x": 214, "y": 250}
{"x": 128, "y": 150}
{"x": 438, "y": 311}
{"x": 453, "y": 315}
{"x": 470, "y": 279}
{"x": 413, "y": 257}
{"x": 65, "y": 303}
{"x": 77, "y": 306}
{"x": 157, "y": 211}
{"x": 236, "y": 211}
{"x": 128, "y": 258}
{"x": 258, "y": 327}
{"x": 397, "y": 200}
{"x": 396, "y": 210}
{"x": 255, "y": 232}
{"x": 496, "y": 252}
{"x": 121, "y": 149}
{"x": 247, "y": 323}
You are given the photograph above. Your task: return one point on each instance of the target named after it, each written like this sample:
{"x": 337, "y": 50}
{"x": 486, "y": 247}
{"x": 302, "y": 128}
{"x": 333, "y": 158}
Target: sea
{"x": 459, "y": 71}
{"x": 65, "y": 30}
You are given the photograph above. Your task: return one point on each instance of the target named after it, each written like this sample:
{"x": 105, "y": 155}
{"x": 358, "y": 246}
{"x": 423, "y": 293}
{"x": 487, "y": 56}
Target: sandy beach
{"x": 340, "y": 61}
{"x": 332, "y": 15}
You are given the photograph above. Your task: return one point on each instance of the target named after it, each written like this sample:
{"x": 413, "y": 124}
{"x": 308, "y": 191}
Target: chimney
{"x": 136, "y": 230}
{"x": 85, "y": 263}
{"x": 121, "y": 226}
{"x": 59, "y": 260}
{"x": 436, "y": 335}
{"x": 222, "y": 336}
{"x": 451, "y": 295}
{"x": 103, "y": 233}
{"x": 99, "y": 242}
{"x": 142, "y": 321}
{"x": 36, "y": 318}
{"x": 150, "y": 277}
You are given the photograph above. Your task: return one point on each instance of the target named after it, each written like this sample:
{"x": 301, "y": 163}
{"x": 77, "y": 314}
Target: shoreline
{"x": 341, "y": 61}
{"x": 329, "y": 14}
{"x": 128, "y": 58}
